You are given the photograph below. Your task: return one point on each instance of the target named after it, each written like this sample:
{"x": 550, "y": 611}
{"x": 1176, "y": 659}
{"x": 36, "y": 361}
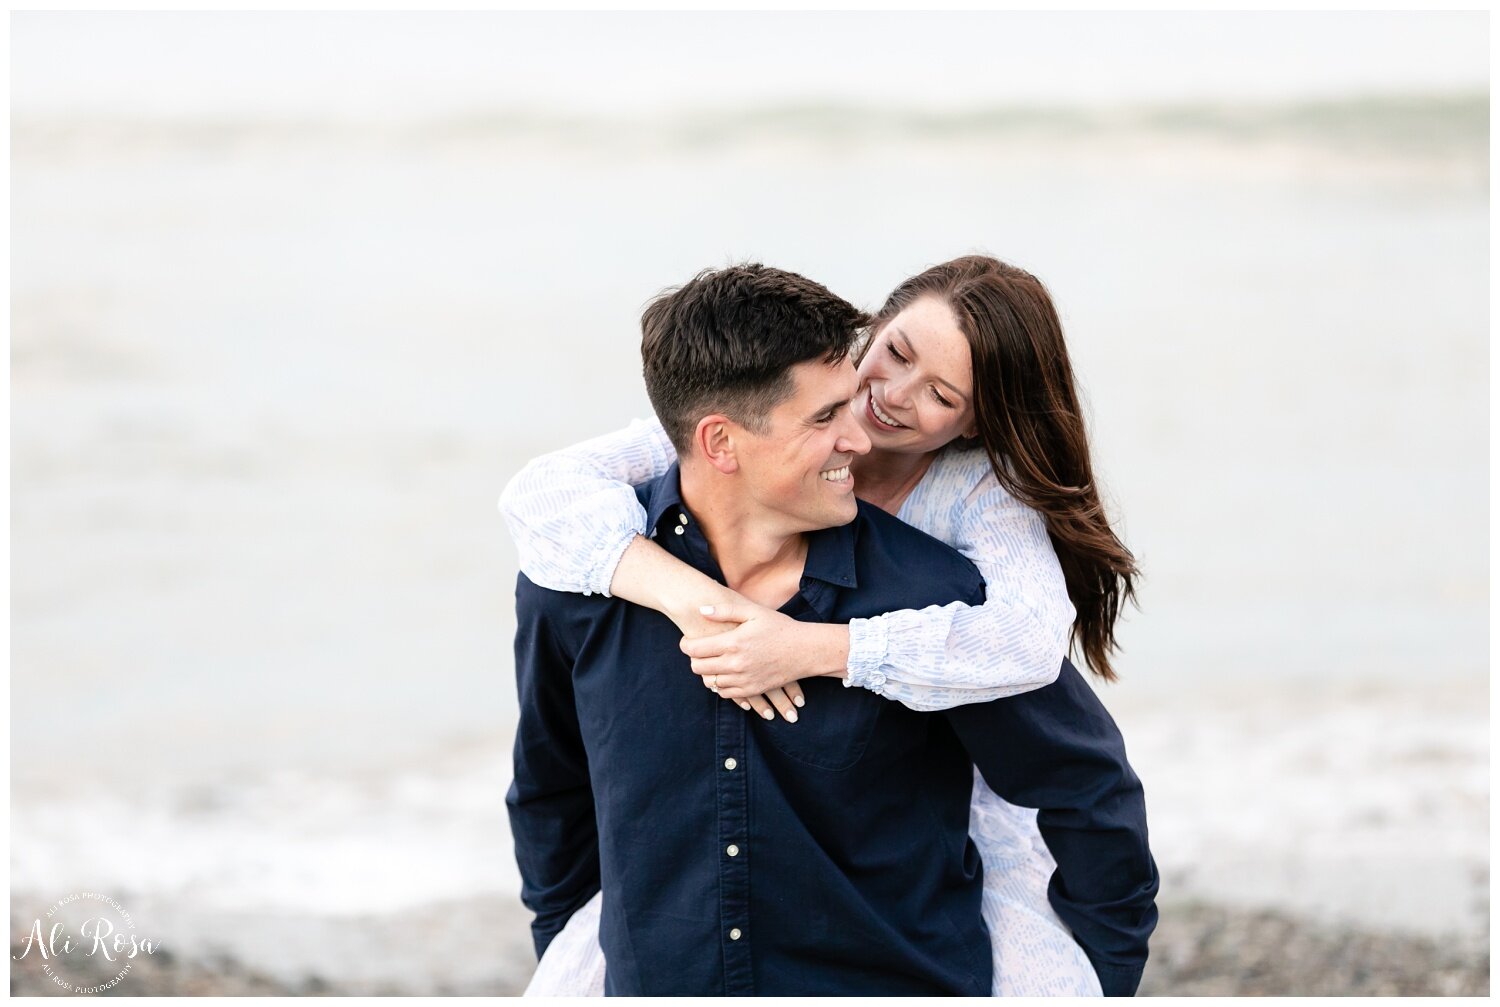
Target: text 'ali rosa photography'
{"x": 84, "y": 943}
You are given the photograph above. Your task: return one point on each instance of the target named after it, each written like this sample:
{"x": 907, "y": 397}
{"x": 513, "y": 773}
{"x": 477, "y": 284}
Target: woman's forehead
{"x": 928, "y": 321}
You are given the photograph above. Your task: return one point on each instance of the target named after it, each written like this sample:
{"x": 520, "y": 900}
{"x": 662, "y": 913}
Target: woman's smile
{"x": 881, "y": 418}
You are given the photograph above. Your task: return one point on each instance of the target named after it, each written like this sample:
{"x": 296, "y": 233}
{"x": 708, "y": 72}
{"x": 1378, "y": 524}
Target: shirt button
{"x": 682, "y": 518}
{"x": 730, "y": 763}
{"x": 734, "y": 934}
{"x": 733, "y": 850}
{"x": 678, "y": 529}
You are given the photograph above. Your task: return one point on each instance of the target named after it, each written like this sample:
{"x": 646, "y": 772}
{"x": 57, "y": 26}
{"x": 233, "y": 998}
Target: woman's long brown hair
{"x": 1029, "y": 421}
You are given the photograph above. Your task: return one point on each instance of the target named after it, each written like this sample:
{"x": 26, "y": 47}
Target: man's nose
{"x": 852, "y": 438}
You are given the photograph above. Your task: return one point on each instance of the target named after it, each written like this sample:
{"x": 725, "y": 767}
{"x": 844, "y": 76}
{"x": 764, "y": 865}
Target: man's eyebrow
{"x": 832, "y": 407}
{"x": 912, "y": 353}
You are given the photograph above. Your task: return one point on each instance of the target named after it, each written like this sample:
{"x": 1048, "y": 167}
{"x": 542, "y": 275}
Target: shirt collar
{"x": 663, "y": 496}
{"x": 830, "y": 551}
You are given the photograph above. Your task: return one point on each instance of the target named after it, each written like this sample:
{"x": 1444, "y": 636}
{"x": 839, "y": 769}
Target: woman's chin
{"x": 902, "y": 440}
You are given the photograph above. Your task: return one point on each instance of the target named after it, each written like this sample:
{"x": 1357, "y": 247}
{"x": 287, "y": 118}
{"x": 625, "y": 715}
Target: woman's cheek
{"x": 944, "y": 424}
{"x": 933, "y": 423}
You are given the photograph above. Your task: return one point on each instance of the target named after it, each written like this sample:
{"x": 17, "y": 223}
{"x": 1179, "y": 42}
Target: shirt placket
{"x": 735, "y": 926}
{"x": 732, "y": 798}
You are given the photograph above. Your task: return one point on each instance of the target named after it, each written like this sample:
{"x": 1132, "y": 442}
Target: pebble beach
{"x": 403, "y": 882}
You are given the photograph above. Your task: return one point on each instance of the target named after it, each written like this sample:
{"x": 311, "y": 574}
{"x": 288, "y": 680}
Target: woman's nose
{"x": 896, "y": 393}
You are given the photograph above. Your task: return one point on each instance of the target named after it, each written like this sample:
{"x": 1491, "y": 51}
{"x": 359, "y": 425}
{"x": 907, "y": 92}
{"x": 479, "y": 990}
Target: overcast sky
{"x": 349, "y": 63}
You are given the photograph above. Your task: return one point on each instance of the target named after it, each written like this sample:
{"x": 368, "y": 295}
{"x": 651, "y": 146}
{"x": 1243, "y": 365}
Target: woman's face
{"x": 916, "y": 381}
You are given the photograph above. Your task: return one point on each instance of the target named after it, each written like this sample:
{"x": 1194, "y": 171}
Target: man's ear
{"x": 713, "y": 438}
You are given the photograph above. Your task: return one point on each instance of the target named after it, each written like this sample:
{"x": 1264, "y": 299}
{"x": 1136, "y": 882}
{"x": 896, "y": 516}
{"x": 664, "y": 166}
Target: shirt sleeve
{"x": 945, "y": 656}
{"x": 1058, "y": 750}
{"x": 550, "y": 800}
{"x": 573, "y": 512}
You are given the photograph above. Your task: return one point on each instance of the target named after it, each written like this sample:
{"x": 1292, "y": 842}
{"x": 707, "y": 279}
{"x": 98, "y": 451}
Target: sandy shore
{"x": 1198, "y": 950}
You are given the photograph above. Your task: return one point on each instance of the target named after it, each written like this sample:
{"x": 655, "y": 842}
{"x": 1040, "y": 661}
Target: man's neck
{"x": 758, "y": 560}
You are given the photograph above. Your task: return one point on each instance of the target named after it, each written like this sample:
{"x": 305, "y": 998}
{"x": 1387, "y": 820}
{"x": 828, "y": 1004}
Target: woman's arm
{"x": 573, "y": 512}
{"x": 939, "y": 657}
{"x": 579, "y": 527}
{"x": 1015, "y": 642}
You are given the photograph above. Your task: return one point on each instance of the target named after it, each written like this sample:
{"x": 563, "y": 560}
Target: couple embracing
{"x": 796, "y": 712}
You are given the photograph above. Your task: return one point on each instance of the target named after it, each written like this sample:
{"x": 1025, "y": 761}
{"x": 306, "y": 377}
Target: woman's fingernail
{"x": 769, "y": 715}
{"x": 744, "y": 706}
{"x": 798, "y": 700}
{"x": 706, "y": 609}
{"x": 791, "y": 716}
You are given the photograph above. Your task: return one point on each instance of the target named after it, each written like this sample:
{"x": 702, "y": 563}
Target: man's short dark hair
{"x": 726, "y": 342}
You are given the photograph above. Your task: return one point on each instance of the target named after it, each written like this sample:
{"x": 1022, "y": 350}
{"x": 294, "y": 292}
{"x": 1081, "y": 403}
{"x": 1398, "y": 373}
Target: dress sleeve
{"x": 573, "y": 512}
{"x": 946, "y": 656}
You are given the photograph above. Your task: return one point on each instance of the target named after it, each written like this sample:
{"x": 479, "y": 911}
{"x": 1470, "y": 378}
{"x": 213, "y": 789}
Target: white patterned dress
{"x": 572, "y": 514}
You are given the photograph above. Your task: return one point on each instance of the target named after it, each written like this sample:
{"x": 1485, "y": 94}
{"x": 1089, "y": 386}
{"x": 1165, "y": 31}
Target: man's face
{"x": 798, "y": 470}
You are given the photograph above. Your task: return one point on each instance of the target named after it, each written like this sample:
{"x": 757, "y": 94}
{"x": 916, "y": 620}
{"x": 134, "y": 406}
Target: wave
{"x": 1454, "y": 124}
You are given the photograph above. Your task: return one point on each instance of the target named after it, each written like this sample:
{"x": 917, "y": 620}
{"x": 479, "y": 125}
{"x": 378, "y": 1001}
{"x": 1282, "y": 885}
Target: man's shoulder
{"x": 924, "y": 567}
{"x": 535, "y": 601}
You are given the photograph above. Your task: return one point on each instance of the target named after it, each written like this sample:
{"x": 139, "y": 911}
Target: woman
{"x": 977, "y": 438}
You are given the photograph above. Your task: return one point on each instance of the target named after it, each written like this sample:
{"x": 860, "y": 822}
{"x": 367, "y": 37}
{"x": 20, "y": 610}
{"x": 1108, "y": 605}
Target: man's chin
{"x": 826, "y": 513}
{"x": 842, "y": 515}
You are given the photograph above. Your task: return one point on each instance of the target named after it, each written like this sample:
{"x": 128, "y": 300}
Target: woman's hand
{"x": 690, "y": 619}
{"x": 784, "y": 701}
{"x": 763, "y": 652}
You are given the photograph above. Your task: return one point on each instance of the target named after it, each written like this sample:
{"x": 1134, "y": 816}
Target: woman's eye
{"x": 939, "y": 396}
{"x": 892, "y": 348}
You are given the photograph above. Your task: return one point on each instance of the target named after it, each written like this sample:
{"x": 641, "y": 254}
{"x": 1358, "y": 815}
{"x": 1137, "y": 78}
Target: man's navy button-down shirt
{"x": 831, "y": 856}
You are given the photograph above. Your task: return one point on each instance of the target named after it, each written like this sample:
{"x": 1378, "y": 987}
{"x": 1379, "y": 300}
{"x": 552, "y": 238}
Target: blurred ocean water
{"x": 269, "y": 376}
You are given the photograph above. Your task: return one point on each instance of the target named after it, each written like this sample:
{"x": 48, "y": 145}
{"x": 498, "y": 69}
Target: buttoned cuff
{"x": 604, "y": 561}
{"x": 867, "y": 652}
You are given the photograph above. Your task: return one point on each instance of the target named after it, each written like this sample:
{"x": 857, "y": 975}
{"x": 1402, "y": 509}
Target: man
{"x": 831, "y": 856}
